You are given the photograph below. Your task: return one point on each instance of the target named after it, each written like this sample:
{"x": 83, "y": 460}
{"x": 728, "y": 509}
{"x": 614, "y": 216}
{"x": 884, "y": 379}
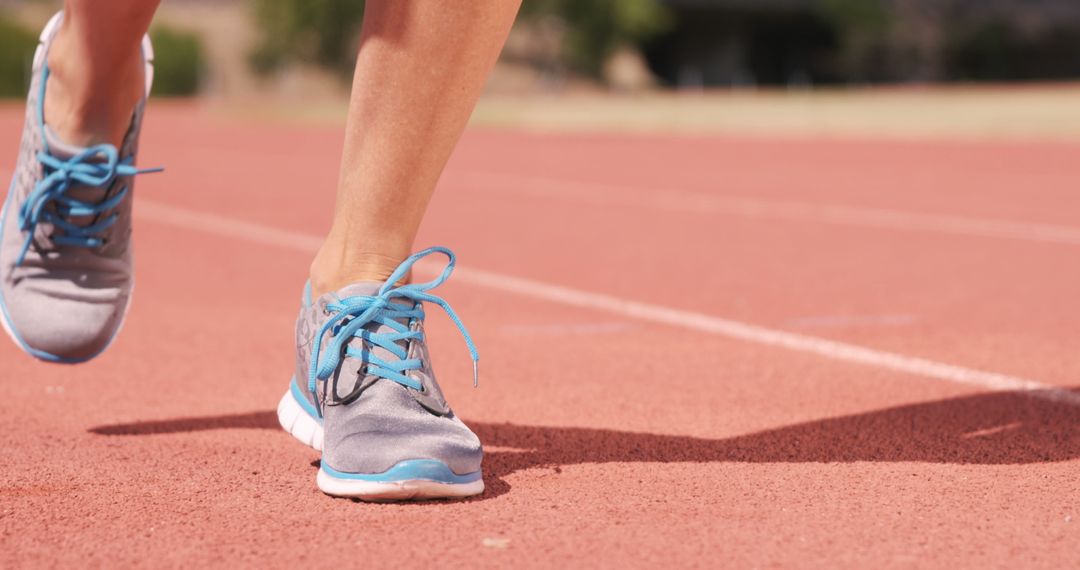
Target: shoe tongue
{"x": 361, "y": 289}
{"x": 370, "y": 289}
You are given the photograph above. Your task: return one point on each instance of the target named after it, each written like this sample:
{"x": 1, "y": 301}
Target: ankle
{"x": 91, "y": 102}
{"x": 331, "y": 271}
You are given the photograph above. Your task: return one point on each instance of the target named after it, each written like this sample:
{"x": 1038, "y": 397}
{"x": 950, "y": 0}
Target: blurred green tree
{"x": 179, "y": 62}
{"x": 596, "y": 28}
{"x": 862, "y": 26}
{"x": 16, "y": 57}
{"x": 323, "y": 32}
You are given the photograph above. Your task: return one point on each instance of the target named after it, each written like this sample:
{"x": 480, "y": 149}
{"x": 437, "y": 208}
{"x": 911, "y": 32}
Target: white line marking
{"x": 835, "y": 350}
{"x": 761, "y": 335}
{"x": 755, "y": 208}
{"x": 851, "y": 321}
{"x": 225, "y": 226}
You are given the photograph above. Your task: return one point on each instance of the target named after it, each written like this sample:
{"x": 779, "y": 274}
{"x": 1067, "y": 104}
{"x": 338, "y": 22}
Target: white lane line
{"x": 755, "y": 208}
{"x": 225, "y": 226}
{"x": 835, "y": 350}
{"x": 851, "y": 321}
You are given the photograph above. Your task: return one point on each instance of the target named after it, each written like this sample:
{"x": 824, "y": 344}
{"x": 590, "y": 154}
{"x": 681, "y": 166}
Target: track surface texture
{"x": 637, "y": 428}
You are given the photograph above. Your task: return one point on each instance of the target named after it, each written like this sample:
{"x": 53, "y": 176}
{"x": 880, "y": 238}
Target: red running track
{"x": 618, "y": 435}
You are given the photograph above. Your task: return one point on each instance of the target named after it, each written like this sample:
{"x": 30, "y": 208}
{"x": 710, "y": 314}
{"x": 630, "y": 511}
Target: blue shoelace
{"x": 84, "y": 169}
{"x": 350, "y": 315}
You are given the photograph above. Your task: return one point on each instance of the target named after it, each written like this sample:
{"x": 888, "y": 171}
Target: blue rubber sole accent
{"x": 410, "y": 470}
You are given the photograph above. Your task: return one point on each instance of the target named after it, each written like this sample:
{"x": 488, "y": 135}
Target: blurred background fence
{"x": 255, "y": 46}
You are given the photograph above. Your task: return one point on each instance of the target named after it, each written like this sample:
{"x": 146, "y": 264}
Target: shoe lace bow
{"x": 351, "y": 315}
{"x": 96, "y": 167}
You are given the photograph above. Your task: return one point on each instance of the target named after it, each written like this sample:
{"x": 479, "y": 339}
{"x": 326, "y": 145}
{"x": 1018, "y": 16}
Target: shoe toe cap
{"x": 375, "y": 452}
{"x": 62, "y": 329}
{"x": 373, "y": 440}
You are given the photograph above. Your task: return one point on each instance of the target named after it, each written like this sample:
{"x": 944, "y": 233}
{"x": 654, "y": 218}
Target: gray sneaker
{"x": 364, "y": 393}
{"x": 65, "y": 231}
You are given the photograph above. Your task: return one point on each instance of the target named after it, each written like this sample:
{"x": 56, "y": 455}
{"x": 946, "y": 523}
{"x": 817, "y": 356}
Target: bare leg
{"x": 96, "y": 70}
{"x": 421, "y": 68}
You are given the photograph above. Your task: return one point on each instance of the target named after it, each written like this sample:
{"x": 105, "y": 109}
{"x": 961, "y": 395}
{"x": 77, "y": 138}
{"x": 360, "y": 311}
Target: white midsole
{"x": 295, "y": 420}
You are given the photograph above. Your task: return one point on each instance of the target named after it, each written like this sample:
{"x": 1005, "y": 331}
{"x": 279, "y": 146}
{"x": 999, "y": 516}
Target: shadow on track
{"x": 989, "y": 429}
